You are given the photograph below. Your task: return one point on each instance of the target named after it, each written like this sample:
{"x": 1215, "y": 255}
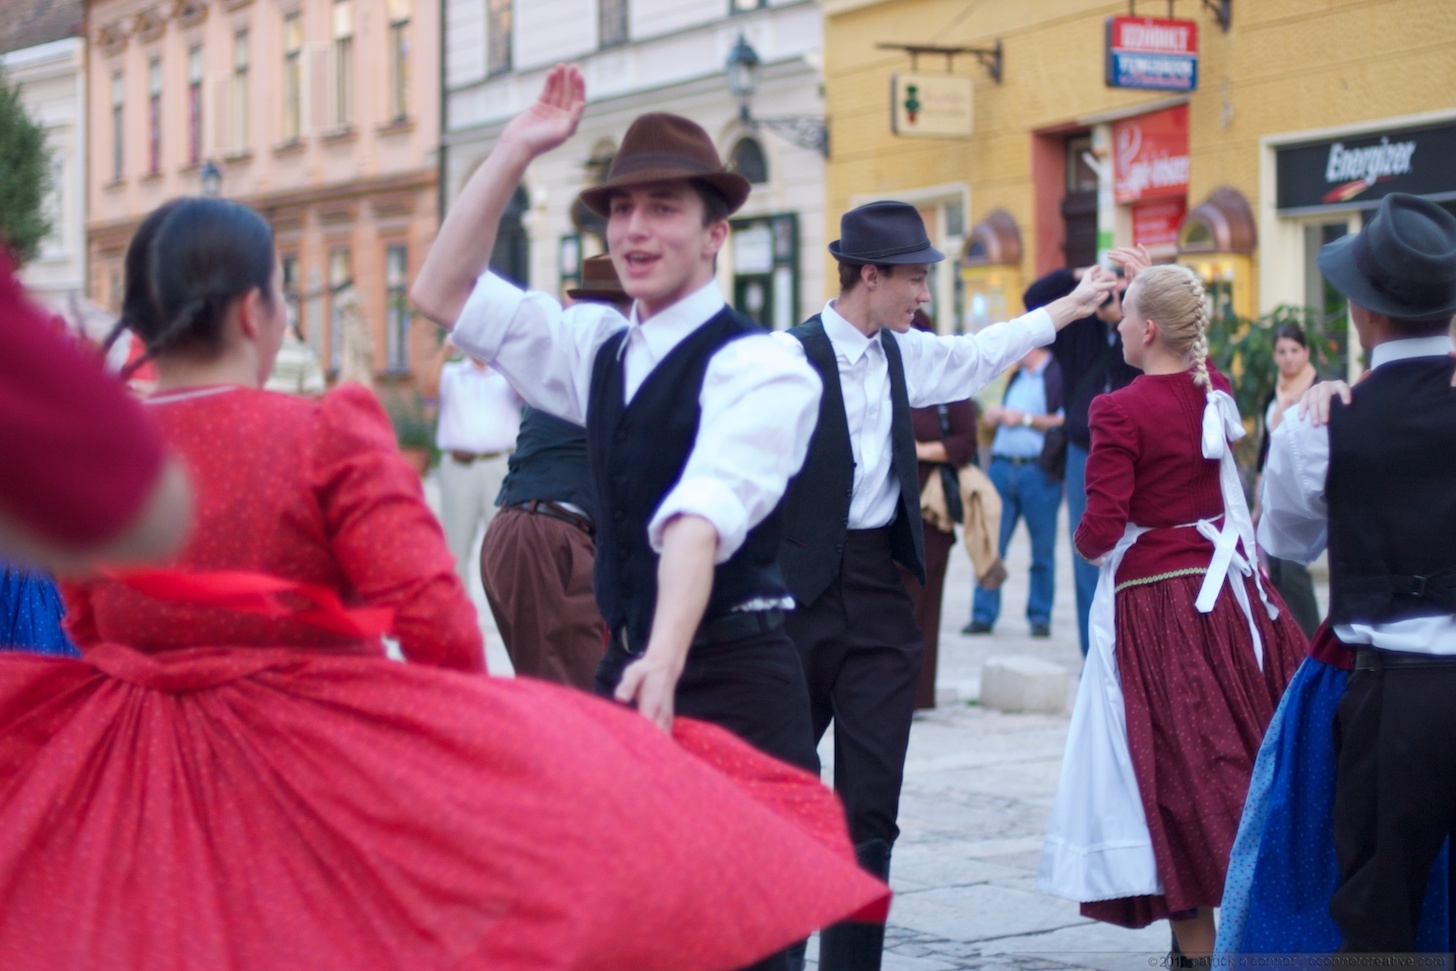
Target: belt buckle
{"x": 1418, "y": 587}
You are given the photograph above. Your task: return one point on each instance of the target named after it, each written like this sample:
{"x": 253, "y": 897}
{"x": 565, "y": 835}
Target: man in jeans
{"x": 1031, "y": 406}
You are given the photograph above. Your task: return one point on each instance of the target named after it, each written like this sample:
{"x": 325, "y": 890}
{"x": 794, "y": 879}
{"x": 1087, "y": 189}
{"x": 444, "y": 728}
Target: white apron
{"x": 1098, "y": 846}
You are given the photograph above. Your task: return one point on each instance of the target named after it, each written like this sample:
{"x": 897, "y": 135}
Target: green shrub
{"x": 25, "y": 177}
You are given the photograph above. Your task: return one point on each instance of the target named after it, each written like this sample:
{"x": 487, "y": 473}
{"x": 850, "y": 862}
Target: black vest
{"x": 816, "y": 508}
{"x": 1391, "y": 490}
{"x": 549, "y": 463}
{"x": 638, "y": 452}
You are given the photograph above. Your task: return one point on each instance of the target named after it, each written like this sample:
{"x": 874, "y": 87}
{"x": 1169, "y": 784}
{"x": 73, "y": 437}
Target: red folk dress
{"x": 1196, "y": 701}
{"x": 217, "y": 789}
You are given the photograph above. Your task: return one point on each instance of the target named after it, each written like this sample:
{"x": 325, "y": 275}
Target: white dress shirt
{"x": 759, "y": 404}
{"x": 937, "y": 370}
{"x": 479, "y": 410}
{"x": 1294, "y": 523}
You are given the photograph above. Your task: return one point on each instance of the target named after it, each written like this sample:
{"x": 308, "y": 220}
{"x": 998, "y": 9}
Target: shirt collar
{"x": 667, "y": 328}
{"x": 1410, "y": 347}
{"x": 846, "y": 338}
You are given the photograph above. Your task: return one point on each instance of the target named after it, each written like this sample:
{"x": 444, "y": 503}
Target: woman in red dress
{"x": 1203, "y": 651}
{"x": 235, "y": 776}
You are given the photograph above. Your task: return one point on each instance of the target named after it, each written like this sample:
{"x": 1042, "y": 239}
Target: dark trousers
{"x": 1293, "y": 582}
{"x": 753, "y": 687}
{"x": 537, "y": 573}
{"x": 1395, "y": 800}
{"x": 861, "y": 652}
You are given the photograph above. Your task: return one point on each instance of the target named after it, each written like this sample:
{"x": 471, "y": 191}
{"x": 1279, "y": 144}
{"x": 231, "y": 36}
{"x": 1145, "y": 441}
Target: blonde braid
{"x": 1173, "y": 296}
{"x": 1199, "y": 351}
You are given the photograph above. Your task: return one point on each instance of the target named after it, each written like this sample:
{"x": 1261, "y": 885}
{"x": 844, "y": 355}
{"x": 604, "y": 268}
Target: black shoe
{"x": 976, "y": 627}
{"x": 1041, "y": 630}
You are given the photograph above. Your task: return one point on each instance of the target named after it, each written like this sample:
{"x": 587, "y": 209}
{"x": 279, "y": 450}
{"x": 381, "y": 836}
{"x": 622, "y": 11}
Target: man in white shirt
{"x": 854, "y": 511}
{"x": 1378, "y": 485}
{"x": 695, "y": 418}
{"x": 479, "y": 418}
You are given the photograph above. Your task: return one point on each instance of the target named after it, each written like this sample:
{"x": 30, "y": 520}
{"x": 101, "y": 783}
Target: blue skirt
{"x": 30, "y": 614}
{"x": 1283, "y": 869}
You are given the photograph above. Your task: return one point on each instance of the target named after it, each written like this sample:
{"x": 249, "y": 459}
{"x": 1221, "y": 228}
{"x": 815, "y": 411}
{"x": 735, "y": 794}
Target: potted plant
{"x": 413, "y": 430}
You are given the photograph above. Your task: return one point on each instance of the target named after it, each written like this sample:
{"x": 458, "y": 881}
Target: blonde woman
{"x": 1190, "y": 651}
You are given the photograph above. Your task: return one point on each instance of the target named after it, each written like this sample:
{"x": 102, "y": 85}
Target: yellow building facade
{"x": 1304, "y": 113}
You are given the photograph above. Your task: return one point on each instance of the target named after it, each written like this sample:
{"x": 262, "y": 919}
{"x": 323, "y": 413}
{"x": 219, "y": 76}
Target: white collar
{"x": 1410, "y": 347}
{"x": 667, "y": 328}
{"x": 846, "y": 337}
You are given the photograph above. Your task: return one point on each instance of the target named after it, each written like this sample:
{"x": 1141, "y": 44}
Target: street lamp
{"x": 742, "y": 69}
{"x": 211, "y": 179}
{"x": 741, "y": 74}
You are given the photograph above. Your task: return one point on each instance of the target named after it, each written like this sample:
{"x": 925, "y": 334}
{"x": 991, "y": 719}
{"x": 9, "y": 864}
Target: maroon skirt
{"x": 1197, "y": 707}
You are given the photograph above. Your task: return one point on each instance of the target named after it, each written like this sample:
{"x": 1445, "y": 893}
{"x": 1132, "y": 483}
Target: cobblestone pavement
{"x": 978, "y": 790}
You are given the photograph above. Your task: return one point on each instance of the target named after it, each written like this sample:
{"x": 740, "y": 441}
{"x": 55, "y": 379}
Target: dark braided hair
{"x": 189, "y": 260}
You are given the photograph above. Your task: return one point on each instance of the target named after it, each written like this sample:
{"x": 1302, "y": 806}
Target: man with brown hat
{"x": 1378, "y": 485}
{"x": 695, "y": 418}
{"x": 536, "y": 560}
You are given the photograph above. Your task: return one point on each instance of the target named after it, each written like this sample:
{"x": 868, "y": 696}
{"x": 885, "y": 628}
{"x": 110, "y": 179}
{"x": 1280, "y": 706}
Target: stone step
{"x": 1011, "y": 682}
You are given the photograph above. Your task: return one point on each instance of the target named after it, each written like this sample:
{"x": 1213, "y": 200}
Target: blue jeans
{"x": 1026, "y": 492}
{"x": 1084, "y": 574}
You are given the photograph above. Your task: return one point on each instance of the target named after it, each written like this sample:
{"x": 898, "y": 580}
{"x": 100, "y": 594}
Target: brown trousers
{"x": 927, "y": 601}
{"x": 537, "y": 573}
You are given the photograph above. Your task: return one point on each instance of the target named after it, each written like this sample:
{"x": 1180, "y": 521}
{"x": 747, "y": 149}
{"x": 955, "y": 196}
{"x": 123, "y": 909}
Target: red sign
{"x": 1155, "y": 224}
{"x": 1150, "y": 155}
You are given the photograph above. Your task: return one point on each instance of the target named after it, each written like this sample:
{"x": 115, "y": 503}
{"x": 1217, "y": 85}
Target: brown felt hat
{"x": 660, "y": 148}
{"x": 599, "y": 281}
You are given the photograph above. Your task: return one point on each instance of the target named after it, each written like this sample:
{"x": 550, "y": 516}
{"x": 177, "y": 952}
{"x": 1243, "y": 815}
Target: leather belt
{"x": 543, "y": 507}
{"x": 466, "y": 458}
{"x": 721, "y": 630}
{"x": 1014, "y": 460}
{"x": 1370, "y": 659}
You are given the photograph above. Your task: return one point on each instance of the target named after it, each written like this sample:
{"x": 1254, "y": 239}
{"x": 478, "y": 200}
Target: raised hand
{"x": 1092, "y": 289}
{"x": 553, "y": 118}
{"x": 1133, "y": 259}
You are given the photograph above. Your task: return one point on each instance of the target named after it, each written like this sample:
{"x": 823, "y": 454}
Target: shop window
{"x": 341, "y": 277}
{"x": 990, "y": 272}
{"x": 766, "y": 269}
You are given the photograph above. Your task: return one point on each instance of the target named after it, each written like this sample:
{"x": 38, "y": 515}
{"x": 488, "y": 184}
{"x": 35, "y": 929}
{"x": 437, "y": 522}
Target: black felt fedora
{"x": 660, "y": 147}
{"x": 1402, "y": 264}
{"x": 884, "y": 232}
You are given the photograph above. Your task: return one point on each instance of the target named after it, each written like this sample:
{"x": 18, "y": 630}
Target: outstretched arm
{"x": 684, "y": 583}
{"x": 462, "y": 249}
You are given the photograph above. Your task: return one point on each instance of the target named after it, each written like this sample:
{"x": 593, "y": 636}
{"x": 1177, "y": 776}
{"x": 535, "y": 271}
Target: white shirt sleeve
{"x": 1294, "y": 523}
{"x": 943, "y": 369}
{"x": 759, "y": 404}
{"x": 545, "y": 352}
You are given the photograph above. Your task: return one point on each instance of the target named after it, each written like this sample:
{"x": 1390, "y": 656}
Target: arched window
{"x": 747, "y": 159}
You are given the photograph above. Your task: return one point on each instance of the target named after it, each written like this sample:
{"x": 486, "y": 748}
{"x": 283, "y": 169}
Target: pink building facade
{"x": 321, "y": 114}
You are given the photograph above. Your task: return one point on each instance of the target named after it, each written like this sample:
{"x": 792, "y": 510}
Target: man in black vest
{"x": 536, "y": 560}
{"x": 854, "y": 511}
{"x": 1379, "y": 485}
{"x": 695, "y": 418}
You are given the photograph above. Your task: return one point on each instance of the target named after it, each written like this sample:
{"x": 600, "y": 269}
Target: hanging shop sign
{"x": 1143, "y": 52}
{"x": 1359, "y": 171}
{"x": 1155, "y": 224}
{"x": 1150, "y": 156}
{"x": 930, "y": 105}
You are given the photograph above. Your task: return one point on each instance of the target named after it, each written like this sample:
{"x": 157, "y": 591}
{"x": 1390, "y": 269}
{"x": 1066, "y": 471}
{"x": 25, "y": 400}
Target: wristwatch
{"x": 1026, "y": 419}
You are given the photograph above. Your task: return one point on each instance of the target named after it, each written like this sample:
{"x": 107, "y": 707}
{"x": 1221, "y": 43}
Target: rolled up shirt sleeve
{"x": 546, "y": 352}
{"x": 944, "y": 369}
{"x": 1294, "y": 522}
{"x": 759, "y": 404}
